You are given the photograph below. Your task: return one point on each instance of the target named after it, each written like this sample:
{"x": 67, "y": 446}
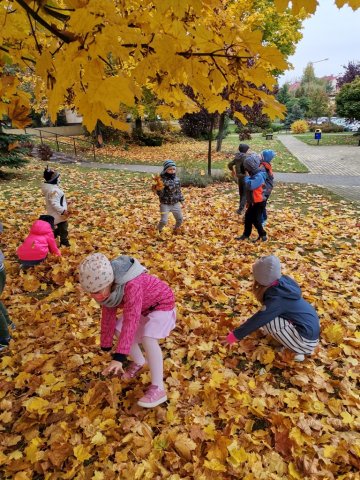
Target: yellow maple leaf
{"x": 215, "y": 465}
{"x": 98, "y": 439}
{"x": 36, "y": 404}
{"x": 82, "y": 453}
{"x": 334, "y": 333}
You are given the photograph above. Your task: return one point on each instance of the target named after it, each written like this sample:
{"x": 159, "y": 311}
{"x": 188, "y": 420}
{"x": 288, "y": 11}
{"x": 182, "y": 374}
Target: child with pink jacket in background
{"x": 148, "y": 315}
{"x": 38, "y": 243}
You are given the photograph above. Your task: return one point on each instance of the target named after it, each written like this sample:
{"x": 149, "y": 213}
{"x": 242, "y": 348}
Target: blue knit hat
{"x": 268, "y": 155}
{"x": 168, "y": 164}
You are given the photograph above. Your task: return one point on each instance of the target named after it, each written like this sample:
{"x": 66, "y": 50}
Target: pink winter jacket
{"x": 38, "y": 243}
{"x": 143, "y": 294}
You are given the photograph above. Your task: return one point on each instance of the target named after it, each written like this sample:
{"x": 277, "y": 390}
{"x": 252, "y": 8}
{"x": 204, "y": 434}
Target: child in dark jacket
{"x": 265, "y": 166}
{"x": 170, "y": 196}
{"x": 255, "y": 184}
{"x": 5, "y": 323}
{"x": 285, "y": 315}
{"x": 38, "y": 243}
{"x": 237, "y": 168}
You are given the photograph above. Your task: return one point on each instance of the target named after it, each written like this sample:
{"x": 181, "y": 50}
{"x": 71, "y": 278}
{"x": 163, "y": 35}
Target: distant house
{"x": 72, "y": 117}
{"x": 294, "y": 86}
{"x": 331, "y": 79}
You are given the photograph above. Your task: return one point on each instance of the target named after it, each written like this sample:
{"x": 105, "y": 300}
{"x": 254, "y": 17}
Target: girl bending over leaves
{"x": 285, "y": 315}
{"x": 148, "y": 314}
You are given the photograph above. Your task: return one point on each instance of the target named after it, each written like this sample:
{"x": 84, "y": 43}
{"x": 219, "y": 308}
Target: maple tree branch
{"x": 39, "y": 48}
{"x": 4, "y": 49}
{"x": 52, "y": 29}
{"x": 204, "y": 54}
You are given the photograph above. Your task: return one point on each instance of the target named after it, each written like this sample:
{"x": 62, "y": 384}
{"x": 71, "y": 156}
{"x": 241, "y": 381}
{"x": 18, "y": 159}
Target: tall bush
{"x": 300, "y": 126}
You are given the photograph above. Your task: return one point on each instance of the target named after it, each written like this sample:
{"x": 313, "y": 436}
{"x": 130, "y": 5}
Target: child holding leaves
{"x": 148, "y": 315}
{"x": 168, "y": 189}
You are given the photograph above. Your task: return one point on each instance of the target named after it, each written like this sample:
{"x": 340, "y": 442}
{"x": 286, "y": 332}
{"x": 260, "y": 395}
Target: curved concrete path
{"x": 336, "y": 167}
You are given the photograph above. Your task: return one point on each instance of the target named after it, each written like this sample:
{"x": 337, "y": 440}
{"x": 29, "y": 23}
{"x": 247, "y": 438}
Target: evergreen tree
{"x": 13, "y": 149}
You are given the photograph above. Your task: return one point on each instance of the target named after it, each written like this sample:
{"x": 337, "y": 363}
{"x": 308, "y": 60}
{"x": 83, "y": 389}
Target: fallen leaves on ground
{"x": 243, "y": 412}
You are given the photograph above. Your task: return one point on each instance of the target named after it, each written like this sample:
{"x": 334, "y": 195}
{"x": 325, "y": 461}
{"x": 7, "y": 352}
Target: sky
{"x": 330, "y": 33}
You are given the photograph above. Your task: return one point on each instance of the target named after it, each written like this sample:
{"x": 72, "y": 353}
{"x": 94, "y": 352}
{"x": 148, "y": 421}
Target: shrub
{"x": 194, "y": 178}
{"x": 45, "y": 152}
{"x": 326, "y": 127}
{"x": 245, "y": 134}
{"x": 150, "y": 141}
{"x": 299, "y": 126}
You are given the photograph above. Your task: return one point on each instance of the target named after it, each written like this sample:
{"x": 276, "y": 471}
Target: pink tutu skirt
{"x": 157, "y": 324}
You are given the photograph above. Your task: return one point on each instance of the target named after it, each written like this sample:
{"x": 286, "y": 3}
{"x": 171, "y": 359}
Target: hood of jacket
{"x": 268, "y": 155}
{"x": 286, "y": 288}
{"x": 39, "y": 227}
{"x": 252, "y": 163}
{"x": 48, "y": 187}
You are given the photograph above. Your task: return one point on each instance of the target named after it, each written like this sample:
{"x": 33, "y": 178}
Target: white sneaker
{"x": 299, "y": 357}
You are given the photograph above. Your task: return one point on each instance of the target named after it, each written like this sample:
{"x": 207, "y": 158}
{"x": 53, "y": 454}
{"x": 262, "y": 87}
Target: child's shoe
{"x": 153, "y": 397}
{"x": 299, "y": 357}
{"x": 263, "y": 238}
{"x": 240, "y": 211}
{"x": 4, "y": 343}
{"x": 12, "y": 326}
{"x": 132, "y": 371}
{"x": 242, "y": 237}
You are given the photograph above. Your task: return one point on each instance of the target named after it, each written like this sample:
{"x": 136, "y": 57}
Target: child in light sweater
{"x": 56, "y": 204}
{"x": 148, "y": 315}
{"x": 285, "y": 315}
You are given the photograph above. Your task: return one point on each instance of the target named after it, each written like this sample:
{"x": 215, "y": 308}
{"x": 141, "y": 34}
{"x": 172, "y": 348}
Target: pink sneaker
{"x": 132, "y": 371}
{"x": 153, "y": 397}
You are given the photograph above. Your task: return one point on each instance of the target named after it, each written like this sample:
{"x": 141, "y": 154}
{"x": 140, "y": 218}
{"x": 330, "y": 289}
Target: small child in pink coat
{"x": 149, "y": 314}
{"x": 38, "y": 243}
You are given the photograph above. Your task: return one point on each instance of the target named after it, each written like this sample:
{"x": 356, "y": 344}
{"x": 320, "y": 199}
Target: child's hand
{"x": 115, "y": 367}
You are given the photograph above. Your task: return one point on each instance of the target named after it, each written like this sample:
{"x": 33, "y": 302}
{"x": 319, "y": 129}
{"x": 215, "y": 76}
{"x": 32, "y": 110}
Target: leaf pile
{"x": 248, "y": 412}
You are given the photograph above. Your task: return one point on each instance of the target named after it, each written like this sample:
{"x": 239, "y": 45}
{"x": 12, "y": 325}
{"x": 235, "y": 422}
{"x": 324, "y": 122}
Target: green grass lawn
{"x": 284, "y": 160}
{"x": 328, "y": 139}
{"x": 188, "y": 153}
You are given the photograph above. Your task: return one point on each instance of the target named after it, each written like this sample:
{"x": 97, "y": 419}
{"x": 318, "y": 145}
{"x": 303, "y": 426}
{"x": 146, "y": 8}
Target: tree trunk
{"x": 221, "y": 132}
{"x": 138, "y": 126}
{"x": 209, "y": 145}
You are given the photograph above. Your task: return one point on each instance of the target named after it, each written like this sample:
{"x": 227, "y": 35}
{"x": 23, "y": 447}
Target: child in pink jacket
{"x": 38, "y": 243}
{"x": 149, "y": 314}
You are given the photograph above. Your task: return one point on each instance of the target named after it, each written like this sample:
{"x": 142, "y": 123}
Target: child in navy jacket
{"x": 285, "y": 315}
{"x": 265, "y": 166}
{"x": 255, "y": 197}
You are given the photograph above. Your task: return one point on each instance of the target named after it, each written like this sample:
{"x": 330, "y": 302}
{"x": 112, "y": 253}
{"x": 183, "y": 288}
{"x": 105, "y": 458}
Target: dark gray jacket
{"x": 238, "y": 162}
{"x": 171, "y": 193}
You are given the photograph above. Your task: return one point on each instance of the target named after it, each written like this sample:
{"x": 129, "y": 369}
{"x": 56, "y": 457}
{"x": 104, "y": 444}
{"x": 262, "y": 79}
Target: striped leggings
{"x": 284, "y": 332}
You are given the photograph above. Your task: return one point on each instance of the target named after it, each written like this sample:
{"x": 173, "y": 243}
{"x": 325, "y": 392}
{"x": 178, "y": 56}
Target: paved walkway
{"x": 337, "y": 167}
{"x": 334, "y": 167}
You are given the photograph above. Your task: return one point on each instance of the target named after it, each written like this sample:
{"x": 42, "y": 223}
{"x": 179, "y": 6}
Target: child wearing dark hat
{"x": 5, "y": 323}
{"x": 255, "y": 183}
{"x": 38, "y": 243}
{"x": 285, "y": 315}
{"x": 237, "y": 168}
{"x": 148, "y": 314}
{"x": 170, "y": 196}
{"x": 56, "y": 205}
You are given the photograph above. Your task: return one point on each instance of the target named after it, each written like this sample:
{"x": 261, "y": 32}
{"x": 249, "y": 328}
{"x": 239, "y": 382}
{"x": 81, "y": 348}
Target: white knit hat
{"x": 266, "y": 270}
{"x": 95, "y": 273}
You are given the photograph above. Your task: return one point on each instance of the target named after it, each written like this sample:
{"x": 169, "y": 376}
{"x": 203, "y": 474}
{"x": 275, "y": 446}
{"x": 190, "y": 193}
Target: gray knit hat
{"x": 95, "y": 273}
{"x": 168, "y": 164}
{"x": 267, "y": 270}
{"x": 252, "y": 163}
